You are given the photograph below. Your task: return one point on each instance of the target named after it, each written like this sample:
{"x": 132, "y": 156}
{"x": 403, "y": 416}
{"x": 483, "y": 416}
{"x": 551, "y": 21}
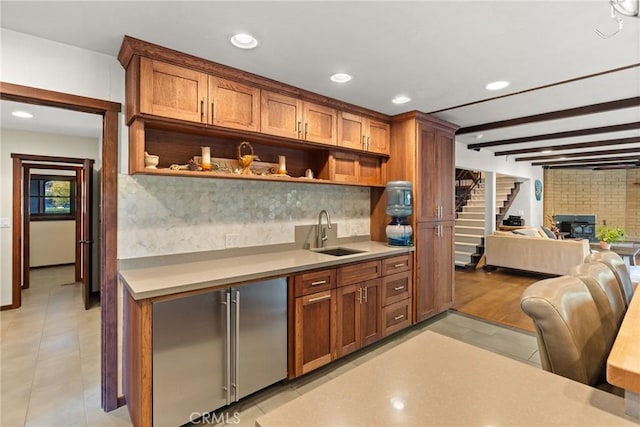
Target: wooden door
{"x": 233, "y": 105}
{"x": 174, "y": 92}
{"x": 314, "y": 331}
{"x": 280, "y": 115}
{"x": 320, "y": 124}
{"x": 370, "y": 312}
{"x": 370, "y": 170}
{"x": 445, "y": 159}
{"x": 351, "y": 131}
{"x": 379, "y": 137}
{"x": 426, "y": 208}
{"x": 444, "y": 292}
{"x": 86, "y": 237}
{"x": 348, "y": 304}
{"x": 426, "y": 255}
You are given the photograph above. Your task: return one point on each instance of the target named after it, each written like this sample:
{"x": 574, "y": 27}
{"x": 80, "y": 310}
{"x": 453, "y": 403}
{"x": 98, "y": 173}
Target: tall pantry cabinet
{"x": 423, "y": 152}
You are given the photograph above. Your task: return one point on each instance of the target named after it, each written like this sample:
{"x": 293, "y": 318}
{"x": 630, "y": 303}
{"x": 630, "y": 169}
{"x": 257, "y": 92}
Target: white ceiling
{"x": 439, "y": 53}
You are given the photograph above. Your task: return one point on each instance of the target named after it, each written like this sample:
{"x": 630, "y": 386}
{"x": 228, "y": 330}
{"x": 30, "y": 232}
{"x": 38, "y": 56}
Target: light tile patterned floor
{"x": 50, "y": 358}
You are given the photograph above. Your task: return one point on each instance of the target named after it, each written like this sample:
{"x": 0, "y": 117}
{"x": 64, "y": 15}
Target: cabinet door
{"x": 170, "y": 91}
{"x": 371, "y": 311}
{"x": 435, "y": 201}
{"x": 349, "y": 303}
{"x": 320, "y": 124}
{"x": 314, "y": 331}
{"x": 233, "y": 105}
{"x": 343, "y": 167}
{"x": 280, "y": 115}
{"x": 370, "y": 170}
{"x": 379, "y": 137}
{"x": 434, "y": 252}
{"x": 351, "y": 131}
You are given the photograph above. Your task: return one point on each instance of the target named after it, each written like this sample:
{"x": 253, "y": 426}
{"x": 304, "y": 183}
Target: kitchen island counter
{"x": 178, "y": 275}
{"x": 435, "y": 380}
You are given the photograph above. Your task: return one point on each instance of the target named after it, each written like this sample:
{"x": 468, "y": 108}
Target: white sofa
{"x": 537, "y": 254}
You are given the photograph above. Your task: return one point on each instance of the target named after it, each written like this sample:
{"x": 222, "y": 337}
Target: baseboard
{"x": 121, "y": 401}
{"x": 7, "y": 307}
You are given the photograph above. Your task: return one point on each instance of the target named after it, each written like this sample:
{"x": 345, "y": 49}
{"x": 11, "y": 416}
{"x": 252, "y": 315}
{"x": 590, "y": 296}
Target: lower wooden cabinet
{"x": 314, "y": 331}
{"x": 338, "y": 311}
{"x": 358, "y": 316}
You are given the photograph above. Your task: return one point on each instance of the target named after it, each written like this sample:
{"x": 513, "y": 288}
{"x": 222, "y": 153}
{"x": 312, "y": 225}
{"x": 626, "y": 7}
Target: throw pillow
{"x": 531, "y": 232}
{"x": 548, "y": 232}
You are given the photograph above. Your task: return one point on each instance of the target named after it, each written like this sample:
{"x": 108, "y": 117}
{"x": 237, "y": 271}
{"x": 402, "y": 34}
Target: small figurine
{"x": 245, "y": 160}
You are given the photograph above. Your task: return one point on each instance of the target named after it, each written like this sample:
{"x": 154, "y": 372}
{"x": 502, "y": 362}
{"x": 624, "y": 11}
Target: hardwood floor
{"x": 494, "y": 296}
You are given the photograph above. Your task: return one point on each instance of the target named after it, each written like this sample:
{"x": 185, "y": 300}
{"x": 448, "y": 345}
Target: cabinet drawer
{"x": 396, "y": 264}
{"x": 396, "y": 287}
{"x": 396, "y": 316}
{"x": 356, "y": 273}
{"x": 314, "y": 281}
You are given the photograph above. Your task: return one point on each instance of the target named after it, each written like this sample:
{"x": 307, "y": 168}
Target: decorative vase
{"x": 150, "y": 160}
{"x": 245, "y": 160}
{"x": 205, "y": 162}
{"x": 604, "y": 245}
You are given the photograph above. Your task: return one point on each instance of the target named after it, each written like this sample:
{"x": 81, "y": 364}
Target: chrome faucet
{"x": 321, "y": 233}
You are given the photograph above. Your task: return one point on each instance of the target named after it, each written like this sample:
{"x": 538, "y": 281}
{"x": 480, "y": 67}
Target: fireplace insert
{"x": 578, "y": 226}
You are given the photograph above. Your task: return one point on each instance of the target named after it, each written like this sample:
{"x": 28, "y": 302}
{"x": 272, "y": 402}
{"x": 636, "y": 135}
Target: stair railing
{"x": 463, "y": 192}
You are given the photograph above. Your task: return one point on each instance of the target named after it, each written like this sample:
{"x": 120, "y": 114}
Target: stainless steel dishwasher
{"x": 212, "y": 349}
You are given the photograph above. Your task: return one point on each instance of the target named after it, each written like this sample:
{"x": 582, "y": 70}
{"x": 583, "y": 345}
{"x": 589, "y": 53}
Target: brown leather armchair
{"x": 619, "y": 268}
{"x": 570, "y": 336}
{"x": 607, "y": 295}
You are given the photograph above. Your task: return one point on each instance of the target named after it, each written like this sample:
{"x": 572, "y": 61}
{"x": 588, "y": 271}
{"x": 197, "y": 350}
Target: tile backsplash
{"x": 160, "y": 215}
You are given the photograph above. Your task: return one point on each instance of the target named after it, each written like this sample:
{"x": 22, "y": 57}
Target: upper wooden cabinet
{"x": 181, "y": 93}
{"x": 361, "y": 133}
{"x": 233, "y": 105}
{"x": 170, "y": 91}
{"x": 293, "y": 118}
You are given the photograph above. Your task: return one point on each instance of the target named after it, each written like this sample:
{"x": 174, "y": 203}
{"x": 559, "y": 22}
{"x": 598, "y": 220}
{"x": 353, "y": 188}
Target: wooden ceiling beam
{"x": 582, "y": 154}
{"x": 557, "y": 135}
{"x": 623, "y": 165}
{"x": 590, "y": 144}
{"x": 554, "y": 115}
{"x": 579, "y": 161}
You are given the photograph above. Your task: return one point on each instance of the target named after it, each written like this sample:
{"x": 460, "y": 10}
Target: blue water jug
{"x": 399, "y": 200}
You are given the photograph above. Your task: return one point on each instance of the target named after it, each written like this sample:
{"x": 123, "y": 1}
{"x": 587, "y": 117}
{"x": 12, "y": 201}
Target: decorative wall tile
{"x": 169, "y": 215}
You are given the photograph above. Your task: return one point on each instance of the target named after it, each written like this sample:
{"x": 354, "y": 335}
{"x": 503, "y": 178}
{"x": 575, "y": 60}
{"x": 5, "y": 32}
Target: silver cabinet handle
{"x": 320, "y": 298}
{"x": 368, "y": 143}
{"x": 398, "y": 317}
{"x": 202, "y": 110}
{"x": 366, "y": 294}
{"x": 213, "y": 112}
{"x": 319, "y": 282}
{"x": 306, "y": 129}
{"x": 364, "y": 142}
{"x": 360, "y": 295}
{"x": 402, "y": 264}
{"x": 398, "y": 288}
{"x": 227, "y": 350}
{"x": 236, "y": 328}
{"x": 299, "y": 128}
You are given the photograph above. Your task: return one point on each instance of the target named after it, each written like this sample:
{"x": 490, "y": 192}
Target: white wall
{"x": 36, "y": 62}
{"x": 24, "y": 142}
{"x": 52, "y": 243}
{"x": 485, "y": 161}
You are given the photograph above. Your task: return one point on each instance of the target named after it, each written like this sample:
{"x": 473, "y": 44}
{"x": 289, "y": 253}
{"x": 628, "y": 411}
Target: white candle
{"x": 282, "y": 164}
{"x": 206, "y": 155}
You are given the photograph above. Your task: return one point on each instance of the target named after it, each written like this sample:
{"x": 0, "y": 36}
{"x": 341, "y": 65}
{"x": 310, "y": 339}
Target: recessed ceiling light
{"x": 547, "y": 151}
{"x": 340, "y": 77}
{"x": 401, "y": 99}
{"x": 22, "y": 114}
{"x": 244, "y": 41}
{"x": 501, "y": 84}
{"x": 479, "y": 136}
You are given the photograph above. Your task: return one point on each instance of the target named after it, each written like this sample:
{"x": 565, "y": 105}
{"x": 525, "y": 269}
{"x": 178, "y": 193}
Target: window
{"x": 52, "y": 197}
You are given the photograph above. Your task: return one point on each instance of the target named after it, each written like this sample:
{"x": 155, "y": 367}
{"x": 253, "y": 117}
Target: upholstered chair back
{"x": 619, "y": 268}
{"x": 570, "y": 336}
{"x": 607, "y": 295}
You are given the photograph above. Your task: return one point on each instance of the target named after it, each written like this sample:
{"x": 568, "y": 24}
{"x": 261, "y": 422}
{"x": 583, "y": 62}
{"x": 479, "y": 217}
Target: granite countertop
{"x": 174, "y": 277}
{"x": 433, "y": 380}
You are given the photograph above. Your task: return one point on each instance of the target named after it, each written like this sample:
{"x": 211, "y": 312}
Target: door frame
{"x": 108, "y": 216}
{"x": 25, "y": 220}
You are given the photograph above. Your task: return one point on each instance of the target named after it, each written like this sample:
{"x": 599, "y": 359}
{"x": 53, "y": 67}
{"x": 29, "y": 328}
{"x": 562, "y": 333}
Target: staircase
{"x": 470, "y": 222}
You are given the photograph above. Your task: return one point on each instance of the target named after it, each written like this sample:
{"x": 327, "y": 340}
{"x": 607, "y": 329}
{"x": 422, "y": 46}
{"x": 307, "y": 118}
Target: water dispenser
{"x": 399, "y": 207}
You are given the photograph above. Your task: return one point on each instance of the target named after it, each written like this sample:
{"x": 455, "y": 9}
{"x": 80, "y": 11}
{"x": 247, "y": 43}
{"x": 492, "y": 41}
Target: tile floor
{"x": 50, "y": 358}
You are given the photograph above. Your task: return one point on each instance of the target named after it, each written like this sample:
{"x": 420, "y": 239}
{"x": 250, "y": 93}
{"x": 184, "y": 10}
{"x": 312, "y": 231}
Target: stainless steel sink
{"x": 338, "y": 251}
